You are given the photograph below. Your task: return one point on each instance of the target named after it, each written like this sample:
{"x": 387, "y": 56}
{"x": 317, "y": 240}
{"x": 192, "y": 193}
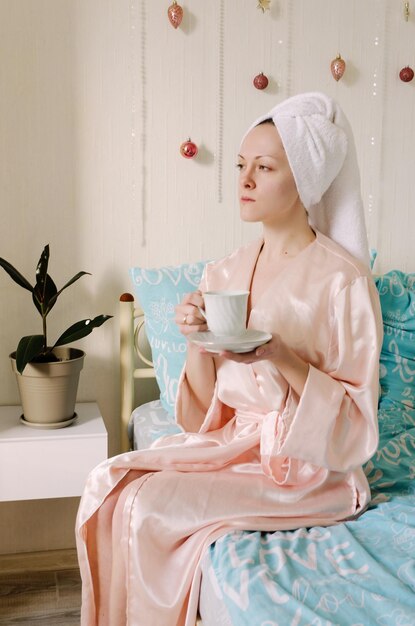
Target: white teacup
{"x": 225, "y": 312}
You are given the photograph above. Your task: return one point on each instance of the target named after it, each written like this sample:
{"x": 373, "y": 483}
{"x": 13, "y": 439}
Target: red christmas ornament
{"x": 406, "y": 74}
{"x": 337, "y": 67}
{"x": 188, "y": 149}
{"x": 175, "y": 13}
{"x": 260, "y": 81}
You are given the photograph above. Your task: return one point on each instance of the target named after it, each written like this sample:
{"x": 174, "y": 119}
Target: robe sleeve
{"x": 334, "y": 423}
{"x": 196, "y": 419}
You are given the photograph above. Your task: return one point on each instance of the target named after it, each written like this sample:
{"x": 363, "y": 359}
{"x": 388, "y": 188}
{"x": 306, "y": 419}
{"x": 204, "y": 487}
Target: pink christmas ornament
{"x": 406, "y": 74}
{"x": 188, "y": 149}
{"x": 338, "y": 67}
{"x": 260, "y": 81}
{"x": 175, "y": 13}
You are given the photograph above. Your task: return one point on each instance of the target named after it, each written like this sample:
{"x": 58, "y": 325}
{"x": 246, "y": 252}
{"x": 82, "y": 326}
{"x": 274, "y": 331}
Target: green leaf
{"x": 70, "y": 282}
{"x": 42, "y": 296}
{"x": 28, "y": 349}
{"x": 41, "y": 273}
{"x": 81, "y": 329}
{"x": 17, "y": 276}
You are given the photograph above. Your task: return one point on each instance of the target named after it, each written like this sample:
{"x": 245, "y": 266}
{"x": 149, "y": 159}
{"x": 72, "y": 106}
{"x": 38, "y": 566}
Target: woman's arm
{"x": 332, "y": 423}
{"x": 199, "y": 375}
{"x": 292, "y": 367}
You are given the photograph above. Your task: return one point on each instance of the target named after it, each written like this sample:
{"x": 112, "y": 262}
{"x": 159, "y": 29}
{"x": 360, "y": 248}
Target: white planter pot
{"x": 48, "y": 390}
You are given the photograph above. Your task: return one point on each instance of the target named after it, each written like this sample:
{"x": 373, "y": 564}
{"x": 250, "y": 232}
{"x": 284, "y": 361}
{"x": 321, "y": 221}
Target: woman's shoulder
{"x": 336, "y": 259}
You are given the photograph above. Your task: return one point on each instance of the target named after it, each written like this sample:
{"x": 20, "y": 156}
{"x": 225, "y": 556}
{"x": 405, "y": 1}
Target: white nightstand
{"x": 37, "y": 463}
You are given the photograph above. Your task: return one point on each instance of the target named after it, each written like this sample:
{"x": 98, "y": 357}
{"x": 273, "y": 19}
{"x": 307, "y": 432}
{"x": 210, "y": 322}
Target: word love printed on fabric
{"x": 321, "y": 576}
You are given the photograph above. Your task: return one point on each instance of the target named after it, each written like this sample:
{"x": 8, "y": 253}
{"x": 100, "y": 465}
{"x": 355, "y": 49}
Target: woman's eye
{"x": 261, "y": 168}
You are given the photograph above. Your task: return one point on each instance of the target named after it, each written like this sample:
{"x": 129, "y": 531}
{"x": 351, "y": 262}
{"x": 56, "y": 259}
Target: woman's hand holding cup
{"x": 188, "y": 316}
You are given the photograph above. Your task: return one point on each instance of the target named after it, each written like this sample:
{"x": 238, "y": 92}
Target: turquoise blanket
{"x": 358, "y": 573}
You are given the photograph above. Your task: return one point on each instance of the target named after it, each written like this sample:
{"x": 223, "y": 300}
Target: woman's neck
{"x": 286, "y": 241}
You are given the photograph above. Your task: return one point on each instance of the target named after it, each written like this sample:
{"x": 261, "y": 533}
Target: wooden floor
{"x": 40, "y": 588}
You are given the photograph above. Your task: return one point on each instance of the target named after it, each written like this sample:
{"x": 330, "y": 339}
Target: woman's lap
{"x": 151, "y": 531}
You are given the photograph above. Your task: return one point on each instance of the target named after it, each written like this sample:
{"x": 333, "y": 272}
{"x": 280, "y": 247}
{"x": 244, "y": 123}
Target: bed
{"x": 357, "y": 573}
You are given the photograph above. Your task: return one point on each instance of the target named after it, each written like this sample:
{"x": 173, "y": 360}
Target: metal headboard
{"x": 131, "y": 329}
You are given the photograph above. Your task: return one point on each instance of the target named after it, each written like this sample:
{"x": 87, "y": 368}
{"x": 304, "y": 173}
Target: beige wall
{"x": 82, "y": 82}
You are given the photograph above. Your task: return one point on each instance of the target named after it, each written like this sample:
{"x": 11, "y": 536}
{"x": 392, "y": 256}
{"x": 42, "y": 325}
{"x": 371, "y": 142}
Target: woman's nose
{"x": 247, "y": 181}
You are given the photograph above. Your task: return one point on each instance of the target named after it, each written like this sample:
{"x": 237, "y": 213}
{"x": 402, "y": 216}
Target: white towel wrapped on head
{"x": 319, "y": 145}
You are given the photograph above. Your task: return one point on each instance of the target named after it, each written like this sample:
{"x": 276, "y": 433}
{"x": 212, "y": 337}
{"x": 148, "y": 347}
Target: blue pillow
{"x": 397, "y": 360}
{"x": 158, "y": 291}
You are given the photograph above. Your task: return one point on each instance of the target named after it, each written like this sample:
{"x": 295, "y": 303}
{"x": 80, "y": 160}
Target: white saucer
{"x": 48, "y": 425}
{"x": 246, "y": 342}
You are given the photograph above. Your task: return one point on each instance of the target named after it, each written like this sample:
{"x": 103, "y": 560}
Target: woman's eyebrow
{"x": 260, "y": 156}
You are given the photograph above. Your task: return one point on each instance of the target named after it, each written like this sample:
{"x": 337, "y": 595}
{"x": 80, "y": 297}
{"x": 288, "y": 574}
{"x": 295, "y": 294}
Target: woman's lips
{"x": 246, "y": 199}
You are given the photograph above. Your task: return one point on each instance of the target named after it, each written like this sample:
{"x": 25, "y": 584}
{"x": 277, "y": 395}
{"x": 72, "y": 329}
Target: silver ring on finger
{"x": 185, "y": 319}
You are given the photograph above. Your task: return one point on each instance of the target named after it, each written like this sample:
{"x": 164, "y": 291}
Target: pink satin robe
{"x": 264, "y": 458}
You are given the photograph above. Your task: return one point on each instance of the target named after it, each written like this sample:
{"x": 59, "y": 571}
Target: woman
{"x": 274, "y": 439}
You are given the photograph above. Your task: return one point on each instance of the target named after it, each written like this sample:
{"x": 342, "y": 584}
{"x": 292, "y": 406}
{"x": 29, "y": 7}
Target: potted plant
{"x": 48, "y": 374}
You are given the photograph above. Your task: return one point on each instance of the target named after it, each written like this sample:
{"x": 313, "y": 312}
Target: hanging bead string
{"x": 290, "y": 27}
{"x": 133, "y": 96}
{"x": 134, "y": 64}
{"x": 143, "y": 73}
{"x": 383, "y": 67}
{"x": 377, "y": 92}
{"x": 221, "y": 88}
{"x": 406, "y": 11}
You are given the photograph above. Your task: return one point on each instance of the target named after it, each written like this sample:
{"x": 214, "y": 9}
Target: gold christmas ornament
{"x": 263, "y": 5}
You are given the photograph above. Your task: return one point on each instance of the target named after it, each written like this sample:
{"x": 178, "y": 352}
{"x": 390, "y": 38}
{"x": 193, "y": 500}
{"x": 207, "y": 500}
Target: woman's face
{"x": 267, "y": 190}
